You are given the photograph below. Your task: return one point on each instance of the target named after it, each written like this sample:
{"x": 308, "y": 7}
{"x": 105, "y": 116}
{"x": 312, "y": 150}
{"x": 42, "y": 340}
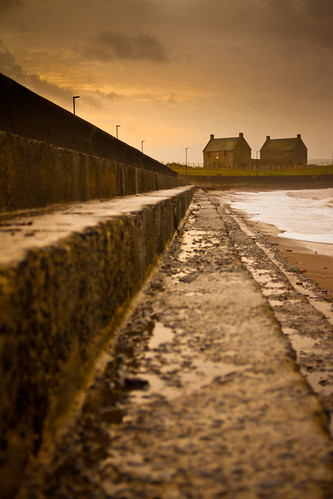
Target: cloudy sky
{"x": 171, "y": 72}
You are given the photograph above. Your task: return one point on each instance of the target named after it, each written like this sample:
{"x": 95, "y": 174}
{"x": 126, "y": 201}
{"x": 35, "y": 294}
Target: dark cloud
{"x": 266, "y": 23}
{"x": 6, "y": 4}
{"x": 112, "y": 45}
{"x": 9, "y": 66}
{"x": 61, "y": 95}
{"x": 305, "y": 22}
{"x": 319, "y": 15}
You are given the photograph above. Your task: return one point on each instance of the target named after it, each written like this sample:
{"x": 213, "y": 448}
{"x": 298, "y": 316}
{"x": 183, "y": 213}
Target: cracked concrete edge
{"x": 59, "y": 307}
{"x": 35, "y": 174}
{"x": 154, "y": 310}
{"x": 300, "y": 307}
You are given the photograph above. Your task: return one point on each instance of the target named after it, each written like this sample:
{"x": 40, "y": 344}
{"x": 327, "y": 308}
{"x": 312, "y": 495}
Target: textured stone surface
{"x": 66, "y": 279}
{"x": 34, "y": 174}
{"x": 304, "y": 312}
{"x": 199, "y": 395}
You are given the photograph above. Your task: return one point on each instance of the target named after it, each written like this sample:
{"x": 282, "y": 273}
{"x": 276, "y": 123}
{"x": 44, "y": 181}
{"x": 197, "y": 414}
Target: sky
{"x": 172, "y": 72}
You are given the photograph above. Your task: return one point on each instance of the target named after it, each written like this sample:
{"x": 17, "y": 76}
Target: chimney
{"x": 298, "y": 135}
{"x": 268, "y": 137}
{"x": 241, "y": 135}
{"x": 211, "y": 136}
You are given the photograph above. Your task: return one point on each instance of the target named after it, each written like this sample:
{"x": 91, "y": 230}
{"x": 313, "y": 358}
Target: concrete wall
{"x": 61, "y": 301}
{"x": 65, "y": 286}
{"x": 261, "y": 183}
{"x": 27, "y": 114}
{"x": 34, "y": 174}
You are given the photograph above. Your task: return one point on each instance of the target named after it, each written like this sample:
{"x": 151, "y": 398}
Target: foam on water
{"x": 306, "y": 215}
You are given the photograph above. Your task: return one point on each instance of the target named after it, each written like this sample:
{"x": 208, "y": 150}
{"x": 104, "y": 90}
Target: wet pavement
{"x": 200, "y": 394}
{"x": 299, "y": 305}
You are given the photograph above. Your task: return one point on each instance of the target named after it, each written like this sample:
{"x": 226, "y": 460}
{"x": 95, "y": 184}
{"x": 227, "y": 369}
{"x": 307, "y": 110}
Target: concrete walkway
{"x": 200, "y": 395}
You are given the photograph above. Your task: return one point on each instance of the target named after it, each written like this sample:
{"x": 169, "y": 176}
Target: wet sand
{"x": 312, "y": 259}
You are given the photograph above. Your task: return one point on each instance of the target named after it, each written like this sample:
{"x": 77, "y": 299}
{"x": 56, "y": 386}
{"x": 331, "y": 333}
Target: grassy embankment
{"x": 310, "y": 170}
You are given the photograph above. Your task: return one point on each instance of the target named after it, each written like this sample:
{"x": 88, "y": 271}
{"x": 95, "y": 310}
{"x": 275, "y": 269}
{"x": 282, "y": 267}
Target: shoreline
{"x": 313, "y": 262}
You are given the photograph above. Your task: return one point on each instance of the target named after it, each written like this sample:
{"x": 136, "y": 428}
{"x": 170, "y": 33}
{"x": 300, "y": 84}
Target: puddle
{"x": 192, "y": 240}
{"x": 248, "y": 261}
{"x": 300, "y": 343}
{"x": 320, "y": 383}
{"x": 186, "y": 381}
{"x": 321, "y": 305}
{"x": 276, "y": 303}
{"x": 272, "y": 292}
{"x": 181, "y": 273}
{"x": 161, "y": 334}
{"x": 188, "y": 246}
{"x": 301, "y": 287}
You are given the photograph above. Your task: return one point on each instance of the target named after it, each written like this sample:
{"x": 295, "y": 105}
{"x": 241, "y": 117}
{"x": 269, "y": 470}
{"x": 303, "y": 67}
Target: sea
{"x": 304, "y": 215}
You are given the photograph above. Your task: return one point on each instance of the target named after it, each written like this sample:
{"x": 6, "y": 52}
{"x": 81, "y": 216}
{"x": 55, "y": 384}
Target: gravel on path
{"x": 200, "y": 394}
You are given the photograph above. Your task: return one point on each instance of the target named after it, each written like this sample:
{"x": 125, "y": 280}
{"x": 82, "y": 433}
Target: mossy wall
{"x": 25, "y": 113}
{"x": 58, "y": 308}
{"x": 34, "y": 174}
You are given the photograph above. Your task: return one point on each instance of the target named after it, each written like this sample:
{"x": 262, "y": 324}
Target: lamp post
{"x": 75, "y": 97}
{"x": 186, "y": 149}
{"x": 142, "y": 141}
{"x": 117, "y": 126}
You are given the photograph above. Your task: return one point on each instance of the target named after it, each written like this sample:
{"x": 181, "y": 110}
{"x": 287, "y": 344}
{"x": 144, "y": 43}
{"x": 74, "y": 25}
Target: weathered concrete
{"x": 200, "y": 394}
{"x": 272, "y": 182}
{"x": 27, "y": 114}
{"x": 34, "y": 174}
{"x": 67, "y": 276}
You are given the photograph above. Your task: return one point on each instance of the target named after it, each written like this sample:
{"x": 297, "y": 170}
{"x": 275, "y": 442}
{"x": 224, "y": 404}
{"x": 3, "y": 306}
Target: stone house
{"x": 233, "y": 152}
{"x": 283, "y": 153}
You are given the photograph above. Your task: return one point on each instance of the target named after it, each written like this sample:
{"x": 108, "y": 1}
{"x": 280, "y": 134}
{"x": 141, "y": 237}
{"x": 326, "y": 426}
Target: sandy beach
{"x": 314, "y": 262}
{"x": 298, "y": 224}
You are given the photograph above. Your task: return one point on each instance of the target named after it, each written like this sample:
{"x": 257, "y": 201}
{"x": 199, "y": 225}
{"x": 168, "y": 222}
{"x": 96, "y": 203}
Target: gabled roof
{"x": 221, "y": 144}
{"x": 281, "y": 144}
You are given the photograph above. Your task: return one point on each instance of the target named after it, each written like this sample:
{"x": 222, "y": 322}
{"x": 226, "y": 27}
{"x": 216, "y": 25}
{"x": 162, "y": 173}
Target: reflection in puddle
{"x": 188, "y": 247}
{"x": 192, "y": 240}
{"x": 276, "y": 303}
{"x": 177, "y": 276}
{"x": 320, "y": 383}
{"x": 273, "y": 292}
{"x": 299, "y": 342}
{"x": 161, "y": 334}
{"x": 319, "y": 379}
{"x": 188, "y": 380}
{"x": 269, "y": 285}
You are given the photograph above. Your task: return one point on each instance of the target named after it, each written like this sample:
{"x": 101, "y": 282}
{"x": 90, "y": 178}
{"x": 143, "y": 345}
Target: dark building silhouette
{"x": 284, "y": 153}
{"x": 233, "y": 152}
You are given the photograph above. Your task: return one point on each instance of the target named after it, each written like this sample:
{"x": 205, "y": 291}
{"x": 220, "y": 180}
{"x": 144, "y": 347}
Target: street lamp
{"x": 186, "y": 149}
{"x": 75, "y": 97}
{"x": 142, "y": 141}
{"x": 117, "y": 126}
